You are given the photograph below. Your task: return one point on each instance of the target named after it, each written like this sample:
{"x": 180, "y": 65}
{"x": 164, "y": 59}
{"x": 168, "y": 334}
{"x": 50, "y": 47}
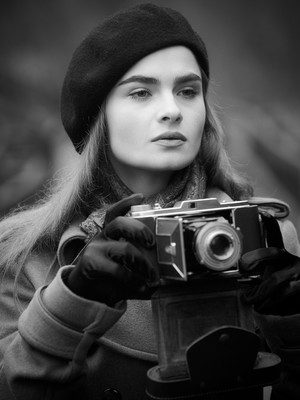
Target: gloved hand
{"x": 111, "y": 267}
{"x": 278, "y": 291}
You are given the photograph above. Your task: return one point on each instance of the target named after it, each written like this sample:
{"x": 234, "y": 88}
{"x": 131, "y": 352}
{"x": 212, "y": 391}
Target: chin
{"x": 177, "y": 166}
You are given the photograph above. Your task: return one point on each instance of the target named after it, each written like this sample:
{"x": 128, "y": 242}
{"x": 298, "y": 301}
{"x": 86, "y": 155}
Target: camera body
{"x": 201, "y": 238}
{"x": 196, "y": 257}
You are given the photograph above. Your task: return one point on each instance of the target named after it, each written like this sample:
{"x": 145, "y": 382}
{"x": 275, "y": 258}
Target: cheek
{"x": 197, "y": 123}
{"x": 126, "y": 126}
{"x": 124, "y": 138}
{"x": 118, "y": 125}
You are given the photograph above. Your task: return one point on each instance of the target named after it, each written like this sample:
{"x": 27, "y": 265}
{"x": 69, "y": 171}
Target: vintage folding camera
{"x": 198, "y": 247}
{"x": 197, "y": 238}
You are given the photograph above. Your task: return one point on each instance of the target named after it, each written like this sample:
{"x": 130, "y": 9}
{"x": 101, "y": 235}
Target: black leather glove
{"x": 111, "y": 267}
{"x": 278, "y": 290}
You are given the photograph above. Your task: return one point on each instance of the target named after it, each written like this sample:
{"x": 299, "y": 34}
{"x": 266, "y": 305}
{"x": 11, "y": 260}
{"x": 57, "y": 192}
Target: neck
{"x": 143, "y": 181}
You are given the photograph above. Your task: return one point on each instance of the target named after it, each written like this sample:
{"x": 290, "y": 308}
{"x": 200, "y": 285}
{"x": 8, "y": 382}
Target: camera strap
{"x": 271, "y": 210}
{"x": 272, "y": 230}
{"x": 278, "y": 208}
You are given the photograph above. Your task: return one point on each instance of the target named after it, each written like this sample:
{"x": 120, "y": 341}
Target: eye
{"x": 189, "y": 93}
{"x": 140, "y": 94}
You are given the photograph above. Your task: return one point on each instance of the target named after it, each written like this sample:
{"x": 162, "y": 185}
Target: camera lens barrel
{"x": 217, "y": 245}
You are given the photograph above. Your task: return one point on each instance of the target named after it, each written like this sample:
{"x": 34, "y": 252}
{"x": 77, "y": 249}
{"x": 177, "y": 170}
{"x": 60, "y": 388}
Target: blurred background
{"x": 254, "y": 54}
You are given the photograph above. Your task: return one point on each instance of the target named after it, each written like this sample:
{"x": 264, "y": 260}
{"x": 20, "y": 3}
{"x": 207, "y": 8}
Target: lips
{"x": 170, "y": 136}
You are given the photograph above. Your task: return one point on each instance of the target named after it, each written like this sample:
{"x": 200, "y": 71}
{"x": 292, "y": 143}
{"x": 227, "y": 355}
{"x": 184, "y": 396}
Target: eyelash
{"x": 192, "y": 93}
{"x": 144, "y": 94}
{"x": 136, "y": 95}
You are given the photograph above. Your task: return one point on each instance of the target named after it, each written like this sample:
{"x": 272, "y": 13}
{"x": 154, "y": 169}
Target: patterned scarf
{"x": 186, "y": 184}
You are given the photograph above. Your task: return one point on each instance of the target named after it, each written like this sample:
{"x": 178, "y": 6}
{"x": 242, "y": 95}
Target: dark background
{"x": 255, "y": 62}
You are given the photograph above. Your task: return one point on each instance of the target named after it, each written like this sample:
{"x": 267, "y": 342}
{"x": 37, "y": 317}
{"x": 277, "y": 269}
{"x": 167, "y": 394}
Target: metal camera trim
{"x": 186, "y": 206}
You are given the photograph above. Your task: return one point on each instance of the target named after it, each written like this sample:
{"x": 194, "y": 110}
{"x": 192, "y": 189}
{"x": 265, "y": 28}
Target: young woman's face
{"x": 156, "y": 113}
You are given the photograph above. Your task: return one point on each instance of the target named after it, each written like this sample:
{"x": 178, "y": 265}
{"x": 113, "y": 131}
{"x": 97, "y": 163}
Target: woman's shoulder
{"x": 216, "y": 193}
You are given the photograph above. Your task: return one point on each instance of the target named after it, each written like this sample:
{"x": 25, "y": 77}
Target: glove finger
{"x": 129, "y": 256}
{"x": 107, "y": 281}
{"x": 250, "y": 261}
{"x": 256, "y": 261}
{"x": 276, "y": 292}
{"x": 110, "y": 258}
{"x": 131, "y": 230}
{"x": 122, "y": 267}
{"x": 123, "y": 206}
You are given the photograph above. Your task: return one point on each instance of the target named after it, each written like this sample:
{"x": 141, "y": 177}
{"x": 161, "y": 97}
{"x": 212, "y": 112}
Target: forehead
{"x": 173, "y": 60}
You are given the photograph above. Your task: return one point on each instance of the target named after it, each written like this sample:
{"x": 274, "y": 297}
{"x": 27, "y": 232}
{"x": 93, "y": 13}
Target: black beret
{"x": 110, "y": 50}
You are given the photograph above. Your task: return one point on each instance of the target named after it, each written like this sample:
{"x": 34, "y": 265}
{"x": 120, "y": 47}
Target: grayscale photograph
{"x": 150, "y": 200}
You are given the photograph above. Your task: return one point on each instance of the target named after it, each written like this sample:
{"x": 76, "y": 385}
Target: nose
{"x": 169, "y": 111}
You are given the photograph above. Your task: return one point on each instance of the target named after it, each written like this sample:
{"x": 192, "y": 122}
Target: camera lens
{"x": 217, "y": 245}
{"x": 221, "y": 245}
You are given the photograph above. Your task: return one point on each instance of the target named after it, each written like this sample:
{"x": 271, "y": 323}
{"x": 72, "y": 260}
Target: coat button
{"x": 111, "y": 394}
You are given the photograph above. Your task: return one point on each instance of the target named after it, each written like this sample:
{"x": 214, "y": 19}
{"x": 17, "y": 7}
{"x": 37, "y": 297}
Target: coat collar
{"x": 72, "y": 241}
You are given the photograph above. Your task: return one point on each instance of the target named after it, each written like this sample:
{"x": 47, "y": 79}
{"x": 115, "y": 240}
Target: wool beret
{"x": 110, "y": 50}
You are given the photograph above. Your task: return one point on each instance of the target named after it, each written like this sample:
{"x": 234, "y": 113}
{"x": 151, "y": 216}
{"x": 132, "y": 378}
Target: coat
{"x": 57, "y": 345}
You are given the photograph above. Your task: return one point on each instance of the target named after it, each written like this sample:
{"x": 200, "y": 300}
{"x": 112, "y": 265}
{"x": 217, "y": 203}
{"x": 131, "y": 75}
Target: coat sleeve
{"x": 282, "y": 333}
{"x": 44, "y": 348}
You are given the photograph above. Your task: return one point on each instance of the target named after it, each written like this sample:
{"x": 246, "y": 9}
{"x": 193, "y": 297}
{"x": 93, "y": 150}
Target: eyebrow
{"x": 154, "y": 81}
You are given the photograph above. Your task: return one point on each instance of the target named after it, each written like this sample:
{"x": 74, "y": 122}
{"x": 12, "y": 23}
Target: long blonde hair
{"x": 41, "y": 225}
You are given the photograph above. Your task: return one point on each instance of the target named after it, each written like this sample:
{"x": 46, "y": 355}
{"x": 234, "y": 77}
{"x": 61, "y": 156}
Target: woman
{"x": 134, "y": 103}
